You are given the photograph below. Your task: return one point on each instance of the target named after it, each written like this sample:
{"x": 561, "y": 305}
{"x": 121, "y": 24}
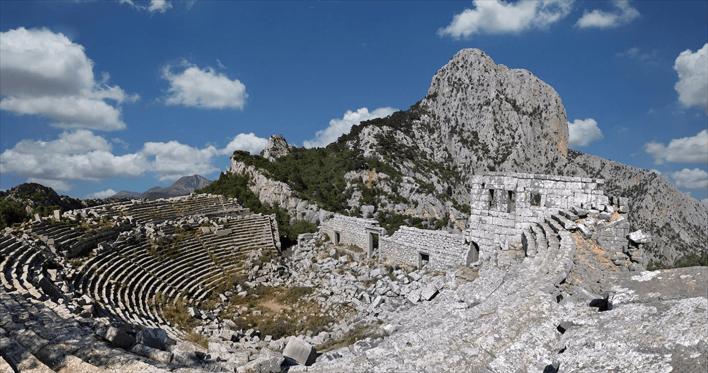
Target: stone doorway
{"x": 472, "y": 254}
{"x": 423, "y": 259}
{"x": 373, "y": 244}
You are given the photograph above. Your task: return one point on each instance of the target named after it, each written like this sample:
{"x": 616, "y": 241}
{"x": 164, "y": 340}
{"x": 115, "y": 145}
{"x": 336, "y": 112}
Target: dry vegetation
{"x": 278, "y": 311}
{"x": 360, "y": 332}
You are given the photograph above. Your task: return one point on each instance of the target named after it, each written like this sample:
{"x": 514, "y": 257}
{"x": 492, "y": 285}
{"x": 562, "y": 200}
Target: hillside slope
{"x": 413, "y": 167}
{"x": 20, "y": 203}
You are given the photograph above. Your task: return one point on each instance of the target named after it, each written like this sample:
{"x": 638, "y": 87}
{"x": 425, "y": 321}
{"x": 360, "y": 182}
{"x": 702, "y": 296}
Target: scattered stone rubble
{"x": 562, "y": 304}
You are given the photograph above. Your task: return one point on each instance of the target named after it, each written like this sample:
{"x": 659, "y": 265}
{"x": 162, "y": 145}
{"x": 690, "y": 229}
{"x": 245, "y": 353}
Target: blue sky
{"x": 296, "y": 68}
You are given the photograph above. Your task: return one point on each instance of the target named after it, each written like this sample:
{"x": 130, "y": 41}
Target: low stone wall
{"x": 505, "y": 204}
{"x": 444, "y": 250}
{"x": 351, "y": 230}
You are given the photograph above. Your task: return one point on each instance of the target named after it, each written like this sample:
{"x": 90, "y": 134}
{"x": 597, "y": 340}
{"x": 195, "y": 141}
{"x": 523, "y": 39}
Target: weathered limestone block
{"x": 266, "y": 362}
{"x": 299, "y": 351}
{"x": 119, "y": 337}
{"x": 154, "y": 337}
{"x": 640, "y": 237}
{"x": 152, "y": 353}
{"x": 429, "y": 292}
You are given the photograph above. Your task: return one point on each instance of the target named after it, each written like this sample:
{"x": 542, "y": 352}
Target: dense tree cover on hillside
{"x": 20, "y": 203}
{"x": 11, "y": 212}
{"x": 317, "y": 174}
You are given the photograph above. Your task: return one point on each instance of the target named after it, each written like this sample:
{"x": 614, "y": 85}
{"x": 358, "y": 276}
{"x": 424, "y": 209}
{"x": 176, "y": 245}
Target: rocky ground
{"x": 573, "y": 307}
{"x": 340, "y": 301}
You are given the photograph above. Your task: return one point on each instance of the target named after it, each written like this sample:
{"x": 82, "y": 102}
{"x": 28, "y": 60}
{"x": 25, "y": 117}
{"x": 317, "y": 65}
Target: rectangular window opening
{"x": 511, "y": 202}
{"x": 535, "y": 199}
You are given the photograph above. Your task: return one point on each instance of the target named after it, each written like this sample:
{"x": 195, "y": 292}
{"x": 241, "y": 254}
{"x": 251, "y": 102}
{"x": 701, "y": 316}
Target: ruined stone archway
{"x": 472, "y": 254}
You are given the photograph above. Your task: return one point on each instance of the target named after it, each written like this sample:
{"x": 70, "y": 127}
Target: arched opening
{"x": 472, "y": 254}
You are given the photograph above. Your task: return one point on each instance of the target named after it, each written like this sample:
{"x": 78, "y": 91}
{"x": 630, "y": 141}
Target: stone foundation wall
{"x": 352, "y": 231}
{"x": 444, "y": 250}
{"x": 504, "y": 204}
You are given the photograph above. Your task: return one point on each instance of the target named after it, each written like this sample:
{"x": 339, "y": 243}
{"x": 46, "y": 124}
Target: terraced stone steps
{"x": 45, "y": 337}
{"x": 21, "y": 266}
{"x": 128, "y": 280}
{"x": 169, "y": 209}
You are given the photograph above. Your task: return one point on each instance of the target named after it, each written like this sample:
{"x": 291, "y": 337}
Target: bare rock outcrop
{"x": 473, "y": 95}
{"x": 276, "y": 147}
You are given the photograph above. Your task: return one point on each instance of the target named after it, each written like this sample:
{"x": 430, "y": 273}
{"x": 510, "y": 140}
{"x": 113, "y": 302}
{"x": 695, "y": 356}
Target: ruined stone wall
{"x": 504, "y": 204}
{"x": 352, "y": 231}
{"x": 444, "y": 250}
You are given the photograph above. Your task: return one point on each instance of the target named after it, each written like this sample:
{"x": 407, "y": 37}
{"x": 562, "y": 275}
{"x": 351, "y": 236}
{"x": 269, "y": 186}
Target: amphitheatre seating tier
{"x": 138, "y": 278}
{"x": 21, "y": 264}
{"x": 40, "y": 336}
{"x": 173, "y": 208}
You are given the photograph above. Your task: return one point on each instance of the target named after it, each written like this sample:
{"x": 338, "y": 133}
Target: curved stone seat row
{"x": 127, "y": 280}
{"x": 38, "y": 336}
{"x": 20, "y": 264}
{"x": 173, "y": 208}
{"x": 60, "y": 235}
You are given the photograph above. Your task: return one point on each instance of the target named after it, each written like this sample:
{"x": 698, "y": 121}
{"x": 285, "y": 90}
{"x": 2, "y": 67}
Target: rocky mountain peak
{"x": 506, "y": 108}
{"x": 276, "y": 147}
{"x": 192, "y": 182}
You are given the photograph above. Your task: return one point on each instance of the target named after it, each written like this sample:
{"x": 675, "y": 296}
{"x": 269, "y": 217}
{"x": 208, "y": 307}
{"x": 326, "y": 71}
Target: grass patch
{"x": 176, "y": 313}
{"x": 278, "y": 312}
{"x": 197, "y": 339}
{"x": 360, "y": 332}
{"x": 689, "y": 260}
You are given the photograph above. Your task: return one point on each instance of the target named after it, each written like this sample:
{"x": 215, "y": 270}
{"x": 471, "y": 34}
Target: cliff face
{"x": 512, "y": 113}
{"x": 476, "y": 117}
{"x": 677, "y": 222}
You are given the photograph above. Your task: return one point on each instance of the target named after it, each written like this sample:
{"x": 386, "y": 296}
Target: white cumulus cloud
{"x": 693, "y": 149}
{"x": 159, "y": 6}
{"x": 83, "y": 155}
{"x": 245, "y": 141}
{"x": 691, "y": 178}
{"x": 172, "y": 160}
{"x": 582, "y": 132}
{"x": 203, "y": 88}
{"x": 153, "y": 6}
{"x": 77, "y": 155}
{"x": 340, "y": 126}
{"x": 622, "y": 13}
{"x": 692, "y": 69}
{"x": 45, "y": 74}
{"x": 500, "y": 17}
{"x": 102, "y": 194}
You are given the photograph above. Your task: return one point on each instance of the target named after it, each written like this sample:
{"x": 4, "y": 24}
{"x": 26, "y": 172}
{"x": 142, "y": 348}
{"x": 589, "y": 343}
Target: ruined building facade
{"x": 505, "y": 209}
{"x": 504, "y": 205}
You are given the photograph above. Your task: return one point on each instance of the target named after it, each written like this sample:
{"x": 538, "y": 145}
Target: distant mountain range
{"x": 183, "y": 186}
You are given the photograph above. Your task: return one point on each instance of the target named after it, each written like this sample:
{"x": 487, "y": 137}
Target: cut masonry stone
{"x": 299, "y": 351}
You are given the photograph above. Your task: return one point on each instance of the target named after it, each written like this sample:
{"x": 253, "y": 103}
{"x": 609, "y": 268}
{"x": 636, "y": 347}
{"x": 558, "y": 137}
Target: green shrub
{"x": 11, "y": 212}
